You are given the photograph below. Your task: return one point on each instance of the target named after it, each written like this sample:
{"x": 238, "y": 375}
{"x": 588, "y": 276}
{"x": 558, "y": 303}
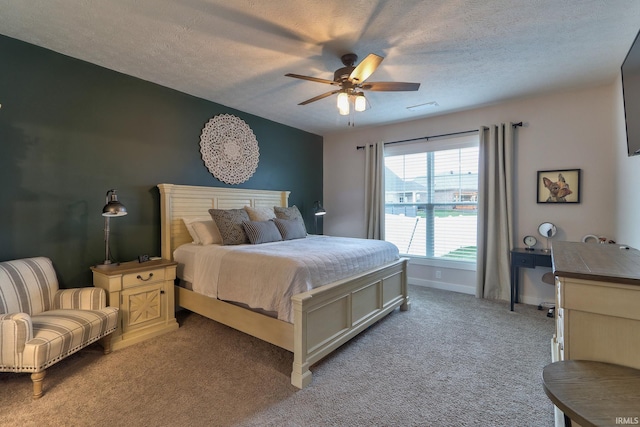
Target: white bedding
{"x": 265, "y": 276}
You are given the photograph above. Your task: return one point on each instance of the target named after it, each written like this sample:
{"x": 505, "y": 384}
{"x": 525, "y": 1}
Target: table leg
{"x": 514, "y": 287}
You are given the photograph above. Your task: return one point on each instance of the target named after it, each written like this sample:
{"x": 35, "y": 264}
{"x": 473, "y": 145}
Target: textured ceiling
{"x": 236, "y": 53}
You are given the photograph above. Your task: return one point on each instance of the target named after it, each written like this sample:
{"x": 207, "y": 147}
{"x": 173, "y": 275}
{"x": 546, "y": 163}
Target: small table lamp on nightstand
{"x": 318, "y": 210}
{"x": 112, "y": 208}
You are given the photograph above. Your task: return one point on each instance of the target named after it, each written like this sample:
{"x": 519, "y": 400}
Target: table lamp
{"x": 113, "y": 208}
{"x": 318, "y": 210}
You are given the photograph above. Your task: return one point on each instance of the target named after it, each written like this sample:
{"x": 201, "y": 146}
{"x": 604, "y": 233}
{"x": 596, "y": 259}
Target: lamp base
{"x": 107, "y": 266}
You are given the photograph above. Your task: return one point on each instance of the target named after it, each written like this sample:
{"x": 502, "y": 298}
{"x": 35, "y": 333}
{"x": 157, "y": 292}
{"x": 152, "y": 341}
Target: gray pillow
{"x": 261, "y": 231}
{"x": 291, "y": 212}
{"x": 291, "y": 228}
{"x": 229, "y": 222}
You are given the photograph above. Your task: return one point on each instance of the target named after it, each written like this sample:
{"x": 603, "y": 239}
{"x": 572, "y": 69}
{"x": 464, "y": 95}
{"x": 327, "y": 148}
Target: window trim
{"x": 441, "y": 263}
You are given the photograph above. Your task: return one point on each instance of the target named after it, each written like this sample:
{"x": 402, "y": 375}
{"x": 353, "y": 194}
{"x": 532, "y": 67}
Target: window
{"x": 431, "y": 198}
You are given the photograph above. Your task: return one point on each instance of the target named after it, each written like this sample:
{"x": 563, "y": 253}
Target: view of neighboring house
{"x": 444, "y": 203}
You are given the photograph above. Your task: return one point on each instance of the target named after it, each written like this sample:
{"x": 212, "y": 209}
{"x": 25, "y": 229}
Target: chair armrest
{"x": 16, "y": 330}
{"x": 80, "y": 299}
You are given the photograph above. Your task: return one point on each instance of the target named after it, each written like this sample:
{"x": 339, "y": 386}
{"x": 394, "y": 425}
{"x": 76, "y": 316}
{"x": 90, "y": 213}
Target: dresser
{"x": 597, "y": 303}
{"x": 144, "y": 293}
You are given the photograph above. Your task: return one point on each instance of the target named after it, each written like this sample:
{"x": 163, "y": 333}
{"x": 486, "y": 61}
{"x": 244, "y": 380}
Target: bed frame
{"x": 324, "y": 318}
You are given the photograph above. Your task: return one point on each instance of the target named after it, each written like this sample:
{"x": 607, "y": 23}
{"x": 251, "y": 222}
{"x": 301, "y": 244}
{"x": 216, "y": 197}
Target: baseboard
{"x": 466, "y": 289}
{"x": 535, "y": 300}
{"x": 454, "y": 287}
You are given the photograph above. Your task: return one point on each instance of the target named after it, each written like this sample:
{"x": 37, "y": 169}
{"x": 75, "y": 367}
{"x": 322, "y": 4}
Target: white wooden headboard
{"x": 188, "y": 201}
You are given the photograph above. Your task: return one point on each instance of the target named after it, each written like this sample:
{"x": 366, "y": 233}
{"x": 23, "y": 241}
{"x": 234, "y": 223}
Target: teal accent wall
{"x": 71, "y": 130}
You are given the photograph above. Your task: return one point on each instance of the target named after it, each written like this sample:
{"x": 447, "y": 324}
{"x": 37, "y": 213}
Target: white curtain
{"x": 374, "y": 190}
{"x": 495, "y": 211}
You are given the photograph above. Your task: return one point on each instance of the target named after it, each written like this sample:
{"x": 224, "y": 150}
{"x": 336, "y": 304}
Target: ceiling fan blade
{"x": 365, "y": 68}
{"x": 391, "y": 86}
{"x": 316, "y": 98}
{"x": 313, "y": 79}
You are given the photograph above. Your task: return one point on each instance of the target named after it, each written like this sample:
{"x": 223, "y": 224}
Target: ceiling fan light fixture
{"x": 351, "y": 81}
{"x": 343, "y": 102}
{"x": 360, "y": 102}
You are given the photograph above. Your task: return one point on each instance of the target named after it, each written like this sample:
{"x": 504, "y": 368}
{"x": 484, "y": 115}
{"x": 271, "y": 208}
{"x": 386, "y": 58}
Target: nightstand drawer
{"x": 543, "y": 261}
{"x": 143, "y": 277}
{"x": 522, "y": 260}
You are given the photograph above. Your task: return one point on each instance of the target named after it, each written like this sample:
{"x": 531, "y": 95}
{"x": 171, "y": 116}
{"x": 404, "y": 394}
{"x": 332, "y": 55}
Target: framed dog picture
{"x": 559, "y": 186}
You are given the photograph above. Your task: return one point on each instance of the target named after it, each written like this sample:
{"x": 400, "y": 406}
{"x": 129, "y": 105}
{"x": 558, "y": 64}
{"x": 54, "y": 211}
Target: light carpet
{"x": 452, "y": 360}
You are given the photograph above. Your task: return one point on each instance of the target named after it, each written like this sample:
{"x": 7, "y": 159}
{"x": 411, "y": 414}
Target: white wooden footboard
{"x": 327, "y": 317}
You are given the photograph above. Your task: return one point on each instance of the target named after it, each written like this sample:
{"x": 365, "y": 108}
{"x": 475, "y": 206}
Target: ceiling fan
{"x": 352, "y": 81}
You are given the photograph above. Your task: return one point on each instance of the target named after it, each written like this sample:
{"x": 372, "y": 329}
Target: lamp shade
{"x": 113, "y": 206}
{"x": 360, "y": 102}
{"x": 318, "y": 210}
{"x": 343, "y": 103}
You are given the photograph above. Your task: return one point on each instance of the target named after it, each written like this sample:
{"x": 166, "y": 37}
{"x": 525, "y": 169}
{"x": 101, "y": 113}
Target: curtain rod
{"x": 361, "y": 147}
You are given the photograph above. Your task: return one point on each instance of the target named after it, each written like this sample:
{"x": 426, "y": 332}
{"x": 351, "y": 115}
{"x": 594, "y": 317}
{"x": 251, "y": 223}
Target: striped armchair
{"x": 41, "y": 324}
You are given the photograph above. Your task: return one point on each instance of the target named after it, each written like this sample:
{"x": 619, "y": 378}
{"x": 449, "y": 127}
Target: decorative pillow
{"x": 291, "y": 228}
{"x": 260, "y": 214}
{"x": 203, "y": 230}
{"x": 261, "y": 231}
{"x": 207, "y": 232}
{"x": 291, "y": 212}
{"x": 188, "y": 222}
{"x": 229, "y": 222}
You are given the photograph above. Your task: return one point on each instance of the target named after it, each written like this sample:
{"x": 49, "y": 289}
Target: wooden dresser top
{"x": 595, "y": 261}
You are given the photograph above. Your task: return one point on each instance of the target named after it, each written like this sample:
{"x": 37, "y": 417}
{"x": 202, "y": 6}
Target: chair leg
{"x": 106, "y": 344}
{"x": 37, "y": 378}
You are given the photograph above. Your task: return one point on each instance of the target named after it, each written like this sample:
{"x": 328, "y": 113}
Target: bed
{"x": 322, "y": 319}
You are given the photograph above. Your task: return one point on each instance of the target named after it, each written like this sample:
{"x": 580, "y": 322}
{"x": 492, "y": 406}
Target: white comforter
{"x": 265, "y": 276}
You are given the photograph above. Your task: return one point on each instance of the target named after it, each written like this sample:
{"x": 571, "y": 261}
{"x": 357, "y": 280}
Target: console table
{"x": 525, "y": 258}
{"x": 594, "y": 393}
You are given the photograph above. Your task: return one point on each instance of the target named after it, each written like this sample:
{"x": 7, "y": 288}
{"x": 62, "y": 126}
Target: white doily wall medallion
{"x": 229, "y": 149}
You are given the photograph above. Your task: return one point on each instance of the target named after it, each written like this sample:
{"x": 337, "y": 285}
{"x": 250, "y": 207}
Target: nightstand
{"x": 144, "y": 294}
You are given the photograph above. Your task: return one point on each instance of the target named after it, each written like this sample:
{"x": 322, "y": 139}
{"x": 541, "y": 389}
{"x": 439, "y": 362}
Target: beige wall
{"x": 575, "y": 129}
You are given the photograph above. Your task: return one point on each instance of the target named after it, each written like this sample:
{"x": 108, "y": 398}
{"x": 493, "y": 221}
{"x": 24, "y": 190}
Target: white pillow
{"x": 207, "y": 232}
{"x": 203, "y": 230}
{"x": 188, "y": 222}
{"x": 260, "y": 214}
